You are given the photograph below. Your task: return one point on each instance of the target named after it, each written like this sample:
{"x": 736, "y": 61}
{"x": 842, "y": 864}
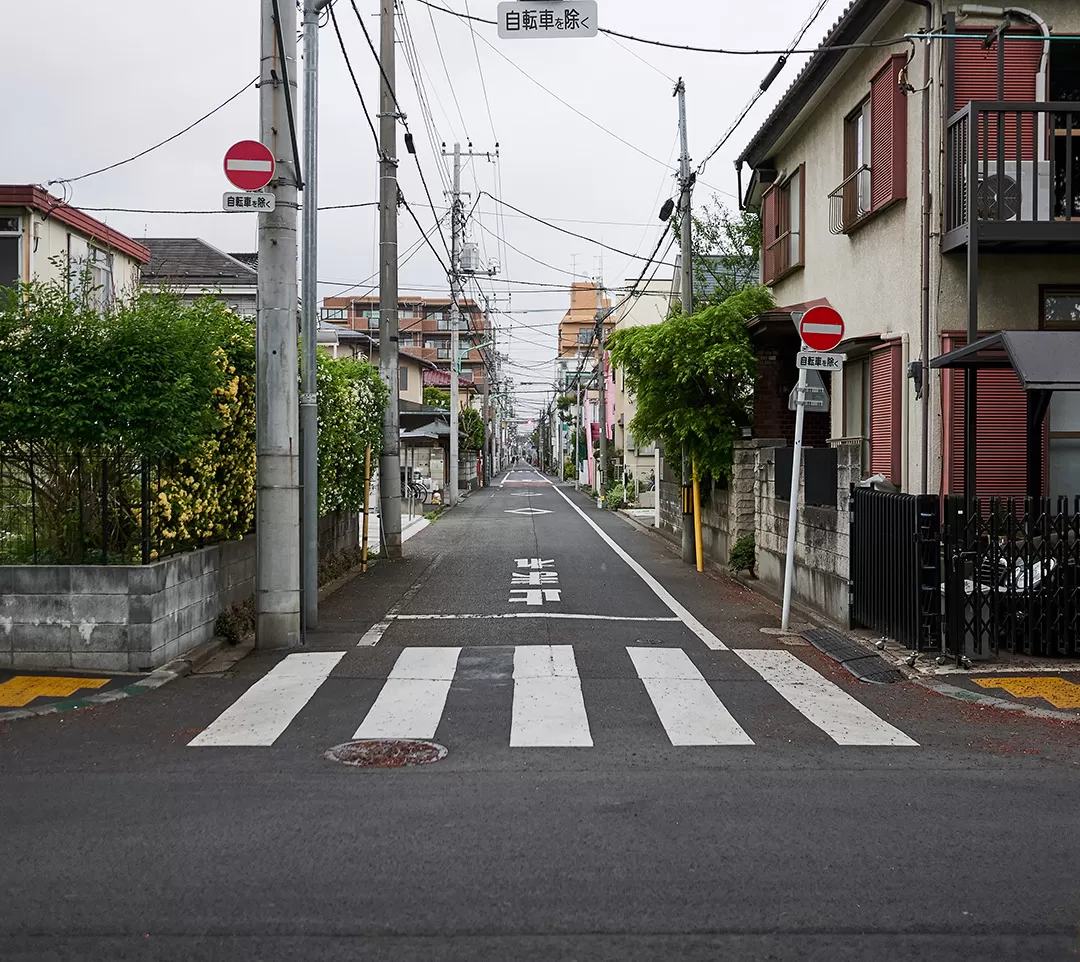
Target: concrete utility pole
{"x": 309, "y": 325}
{"x": 599, "y": 337}
{"x": 686, "y": 295}
{"x": 456, "y": 227}
{"x": 277, "y": 510}
{"x": 390, "y": 458}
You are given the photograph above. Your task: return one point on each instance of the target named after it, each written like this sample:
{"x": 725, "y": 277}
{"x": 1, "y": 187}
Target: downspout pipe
{"x": 924, "y": 305}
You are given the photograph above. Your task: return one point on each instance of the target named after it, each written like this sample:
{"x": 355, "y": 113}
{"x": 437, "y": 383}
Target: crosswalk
{"x": 548, "y": 702}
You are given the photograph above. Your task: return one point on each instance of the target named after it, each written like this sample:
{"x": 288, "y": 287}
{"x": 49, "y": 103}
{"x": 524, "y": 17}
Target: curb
{"x": 177, "y": 668}
{"x": 989, "y": 701}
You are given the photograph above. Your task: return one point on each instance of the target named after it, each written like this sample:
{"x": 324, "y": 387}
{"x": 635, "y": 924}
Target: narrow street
{"x": 634, "y": 770}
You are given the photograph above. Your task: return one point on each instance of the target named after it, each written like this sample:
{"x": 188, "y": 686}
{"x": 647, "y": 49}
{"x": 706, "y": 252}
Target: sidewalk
{"x": 410, "y": 526}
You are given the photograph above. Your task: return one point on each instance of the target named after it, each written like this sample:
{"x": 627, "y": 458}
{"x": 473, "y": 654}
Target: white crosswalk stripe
{"x": 548, "y": 709}
{"x": 688, "y": 708}
{"x": 265, "y": 710}
{"x": 411, "y": 702}
{"x": 844, "y": 719}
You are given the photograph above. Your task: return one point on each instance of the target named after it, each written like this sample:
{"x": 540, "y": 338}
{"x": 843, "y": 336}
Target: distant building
{"x": 44, "y": 239}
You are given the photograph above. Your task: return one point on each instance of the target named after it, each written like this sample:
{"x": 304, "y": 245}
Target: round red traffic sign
{"x": 821, "y": 328}
{"x": 249, "y": 165}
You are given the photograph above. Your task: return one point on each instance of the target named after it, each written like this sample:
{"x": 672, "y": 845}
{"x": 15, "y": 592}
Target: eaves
{"x": 816, "y": 78}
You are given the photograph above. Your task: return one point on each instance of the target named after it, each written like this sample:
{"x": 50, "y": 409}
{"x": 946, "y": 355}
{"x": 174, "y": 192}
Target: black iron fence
{"x": 895, "y": 566}
{"x": 88, "y": 506}
{"x": 1012, "y": 579}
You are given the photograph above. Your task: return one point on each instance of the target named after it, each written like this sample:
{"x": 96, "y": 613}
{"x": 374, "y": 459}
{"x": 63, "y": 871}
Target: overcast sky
{"x": 93, "y": 83}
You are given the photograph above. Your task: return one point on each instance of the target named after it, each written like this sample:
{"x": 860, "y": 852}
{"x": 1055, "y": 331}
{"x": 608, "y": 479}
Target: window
{"x": 857, "y": 131}
{"x": 585, "y": 335}
{"x": 432, "y": 343}
{"x": 406, "y": 340}
{"x": 467, "y": 373}
{"x": 443, "y": 354}
{"x": 10, "y": 249}
{"x": 1060, "y": 308}
{"x": 101, "y": 276}
{"x": 443, "y": 322}
{"x": 372, "y": 319}
{"x": 403, "y": 378}
{"x": 782, "y": 217}
{"x": 857, "y": 405}
{"x": 886, "y": 400}
{"x": 888, "y": 135}
{"x": 333, "y": 313}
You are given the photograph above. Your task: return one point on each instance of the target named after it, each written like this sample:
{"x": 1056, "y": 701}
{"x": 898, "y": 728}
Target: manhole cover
{"x": 386, "y": 753}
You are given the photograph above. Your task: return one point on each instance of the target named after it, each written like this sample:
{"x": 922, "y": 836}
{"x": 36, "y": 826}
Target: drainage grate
{"x": 386, "y": 753}
{"x": 863, "y": 664}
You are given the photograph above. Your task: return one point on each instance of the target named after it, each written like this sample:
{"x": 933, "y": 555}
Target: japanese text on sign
{"x": 248, "y": 201}
{"x": 556, "y": 18}
{"x": 812, "y": 361}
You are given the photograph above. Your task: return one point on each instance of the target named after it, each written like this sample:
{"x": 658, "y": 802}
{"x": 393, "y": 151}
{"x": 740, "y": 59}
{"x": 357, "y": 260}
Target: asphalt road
{"x": 650, "y": 778}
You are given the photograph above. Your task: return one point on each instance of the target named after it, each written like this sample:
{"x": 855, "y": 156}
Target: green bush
{"x": 569, "y": 471}
{"x": 742, "y": 555}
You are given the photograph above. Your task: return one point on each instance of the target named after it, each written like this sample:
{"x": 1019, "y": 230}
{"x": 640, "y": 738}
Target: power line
{"x": 563, "y": 230}
{"x": 356, "y": 84}
{"x": 146, "y": 210}
{"x": 167, "y": 140}
{"x": 449, "y": 82}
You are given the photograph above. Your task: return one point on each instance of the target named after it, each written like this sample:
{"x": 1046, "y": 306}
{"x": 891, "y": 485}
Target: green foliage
{"x": 434, "y": 398}
{"x": 569, "y": 471}
{"x": 470, "y": 429}
{"x": 742, "y": 556}
{"x": 567, "y": 405}
{"x": 693, "y": 378}
{"x": 726, "y": 251}
{"x": 352, "y": 397}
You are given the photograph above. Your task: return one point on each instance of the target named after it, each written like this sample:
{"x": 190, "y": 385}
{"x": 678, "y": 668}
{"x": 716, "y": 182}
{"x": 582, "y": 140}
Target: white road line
{"x": 374, "y": 634}
{"x": 411, "y": 702}
{"x": 844, "y": 719}
{"x": 526, "y": 614}
{"x": 685, "y": 702}
{"x": 549, "y": 710}
{"x": 265, "y": 710}
{"x": 658, "y": 589}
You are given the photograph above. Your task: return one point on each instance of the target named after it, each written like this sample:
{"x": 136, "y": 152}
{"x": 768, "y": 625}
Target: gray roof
{"x": 1043, "y": 360}
{"x": 191, "y": 261}
{"x": 857, "y": 16}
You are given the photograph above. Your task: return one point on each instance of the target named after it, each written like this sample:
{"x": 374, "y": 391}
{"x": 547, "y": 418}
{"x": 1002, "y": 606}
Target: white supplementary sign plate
{"x": 524, "y": 20}
{"x": 818, "y": 361}
{"x": 248, "y": 201}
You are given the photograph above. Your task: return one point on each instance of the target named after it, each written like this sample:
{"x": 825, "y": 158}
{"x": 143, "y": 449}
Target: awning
{"x": 431, "y": 431}
{"x": 1043, "y": 360}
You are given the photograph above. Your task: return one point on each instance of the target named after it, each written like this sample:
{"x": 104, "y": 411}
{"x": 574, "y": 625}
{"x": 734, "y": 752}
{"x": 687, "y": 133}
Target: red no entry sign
{"x": 821, "y": 328}
{"x": 249, "y": 165}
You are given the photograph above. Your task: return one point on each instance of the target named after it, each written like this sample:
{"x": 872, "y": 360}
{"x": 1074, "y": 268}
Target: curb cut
{"x": 989, "y": 701}
{"x": 177, "y": 668}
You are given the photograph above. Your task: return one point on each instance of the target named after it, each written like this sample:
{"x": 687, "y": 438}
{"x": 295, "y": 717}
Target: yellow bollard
{"x": 697, "y": 519}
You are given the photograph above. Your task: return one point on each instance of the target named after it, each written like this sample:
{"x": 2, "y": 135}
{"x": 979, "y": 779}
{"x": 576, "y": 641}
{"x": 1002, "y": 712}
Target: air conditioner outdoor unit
{"x": 1013, "y": 194}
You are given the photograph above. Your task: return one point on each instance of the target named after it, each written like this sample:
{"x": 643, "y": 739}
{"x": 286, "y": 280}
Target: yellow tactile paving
{"x": 1059, "y": 692}
{"x": 19, "y": 692}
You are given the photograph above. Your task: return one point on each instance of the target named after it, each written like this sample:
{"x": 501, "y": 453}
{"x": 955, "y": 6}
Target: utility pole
{"x": 457, "y": 233}
{"x": 390, "y": 458}
{"x": 309, "y": 325}
{"x": 686, "y": 294}
{"x": 277, "y": 510}
{"x": 577, "y": 441}
{"x": 601, "y": 479}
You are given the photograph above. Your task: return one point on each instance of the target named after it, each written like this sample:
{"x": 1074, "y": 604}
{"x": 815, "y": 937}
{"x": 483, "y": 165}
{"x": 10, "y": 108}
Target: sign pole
{"x": 793, "y": 503}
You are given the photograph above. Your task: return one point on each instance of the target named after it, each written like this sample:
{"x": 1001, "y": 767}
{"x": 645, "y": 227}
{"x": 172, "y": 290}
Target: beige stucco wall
{"x": 872, "y": 276}
{"x": 52, "y": 249}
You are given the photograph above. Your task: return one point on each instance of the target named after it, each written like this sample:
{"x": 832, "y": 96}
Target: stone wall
{"x": 821, "y": 540}
{"x": 131, "y": 617}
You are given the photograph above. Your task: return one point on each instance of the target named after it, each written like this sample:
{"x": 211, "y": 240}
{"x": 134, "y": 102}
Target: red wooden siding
{"x": 977, "y": 79}
{"x": 886, "y": 419}
{"x": 1000, "y": 430}
{"x": 770, "y": 230}
{"x": 888, "y": 135}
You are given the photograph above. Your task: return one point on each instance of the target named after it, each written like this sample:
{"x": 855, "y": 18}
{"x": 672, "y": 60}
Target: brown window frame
{"x": 854, "y": 208}
{"x": 782, "y": 241}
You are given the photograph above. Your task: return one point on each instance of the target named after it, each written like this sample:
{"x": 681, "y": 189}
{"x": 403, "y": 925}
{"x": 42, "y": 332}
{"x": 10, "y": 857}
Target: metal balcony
{"x": 850, "y": 202}
{"x": 1023, "y": 159}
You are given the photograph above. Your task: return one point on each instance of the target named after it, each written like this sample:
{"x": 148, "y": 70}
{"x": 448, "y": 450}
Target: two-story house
{"x": 44, "y": 239}
{"x": 923, "y": 178}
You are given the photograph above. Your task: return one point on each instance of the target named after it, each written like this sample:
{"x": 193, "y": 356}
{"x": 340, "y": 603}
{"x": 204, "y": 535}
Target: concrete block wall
{"x": 821, "y": 539}
{"x": 339, "y": 532}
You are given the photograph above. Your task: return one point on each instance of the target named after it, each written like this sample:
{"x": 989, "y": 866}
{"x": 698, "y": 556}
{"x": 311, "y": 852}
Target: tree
{"x": 434, "y": 398}
{"x": 471, "y": 429}
{"x": 693, "y": 377}
{"x": 726, "y": 252}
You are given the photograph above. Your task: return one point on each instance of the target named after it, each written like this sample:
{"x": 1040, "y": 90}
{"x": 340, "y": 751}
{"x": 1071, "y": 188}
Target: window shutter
{"x": 1000, "y": 431}
{"x": 888, "y": 135}
{"x": 770, "y": 230}
{"x": 976, "y": 78}
{"x": 885, "y": 415}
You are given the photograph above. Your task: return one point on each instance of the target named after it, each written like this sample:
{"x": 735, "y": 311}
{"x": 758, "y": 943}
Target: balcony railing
{"x": 1023, "y": 159}
{"x": 850, "y": 202}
